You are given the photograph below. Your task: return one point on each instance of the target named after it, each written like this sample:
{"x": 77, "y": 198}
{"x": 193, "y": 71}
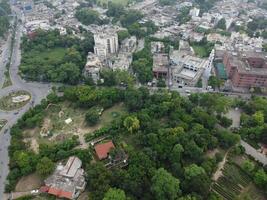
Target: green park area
{"x": 63, "y": 120}
{"x": 44, "y": 60}
{"x": 59, "y": 60}
{"x": 203, "y": 48}
{"x": 166, "y": 138}
{"x": 200, "y": 51}
{"x": 14, "y": 100}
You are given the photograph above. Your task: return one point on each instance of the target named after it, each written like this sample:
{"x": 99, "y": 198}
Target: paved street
{"x": 254, "y": 153}
{"x": 37, "y": 90}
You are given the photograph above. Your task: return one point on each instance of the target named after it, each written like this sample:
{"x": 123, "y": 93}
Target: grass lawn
{"x": 111, "y": 113}
{"x": 47, "y": 56}
{"x": 200, "y": 51}
{"x": 7, "y": 104}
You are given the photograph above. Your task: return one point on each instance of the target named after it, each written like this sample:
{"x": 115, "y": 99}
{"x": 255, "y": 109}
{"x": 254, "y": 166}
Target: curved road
{"x": 38, "y": 91}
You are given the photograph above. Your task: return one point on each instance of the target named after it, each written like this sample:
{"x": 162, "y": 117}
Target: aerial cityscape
{"x": 133, "y": 99}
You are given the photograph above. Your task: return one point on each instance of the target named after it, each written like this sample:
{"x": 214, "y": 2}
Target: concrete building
{"x": 92, "y": 67}
{"x": 157, "y": 47}
{"x": 67, "y": 181}
{"x": 194, "y": 12}
{"x": 187, "y": 69}
{"x": 160, "y": 65}
{"x": 106, "y": 42}
{"x": 246, "y": 69}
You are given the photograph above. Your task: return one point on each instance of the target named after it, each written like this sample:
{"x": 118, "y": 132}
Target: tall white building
{"x": 106, "y": 43}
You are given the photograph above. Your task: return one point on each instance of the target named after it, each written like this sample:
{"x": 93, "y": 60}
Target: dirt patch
{"x": 219, "y": 172}
{"x": 84, "y": 196}
{"x": 235, "y": 115}
{"x": 28, "y": 133}
{"x": 34, "y": 145}
{"x": 27, "y": 183}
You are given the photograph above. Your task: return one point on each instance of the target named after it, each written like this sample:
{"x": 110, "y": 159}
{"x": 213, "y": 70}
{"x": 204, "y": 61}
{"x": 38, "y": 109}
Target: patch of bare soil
{"x": 27, "y": 183}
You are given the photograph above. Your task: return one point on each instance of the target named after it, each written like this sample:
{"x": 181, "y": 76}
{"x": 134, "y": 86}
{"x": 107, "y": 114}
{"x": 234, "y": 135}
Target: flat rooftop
{"x": 240, "y": 61}
{"x": 188, "y": 74}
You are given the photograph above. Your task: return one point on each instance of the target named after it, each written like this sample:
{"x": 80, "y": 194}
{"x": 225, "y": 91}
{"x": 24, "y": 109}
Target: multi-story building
{"x": 106, "y": 42}
{"x": 67, "y": 181}
{"x": 247, "y": 69}
{"x": 187, "y": 69}
{"x": 92, "y": 67}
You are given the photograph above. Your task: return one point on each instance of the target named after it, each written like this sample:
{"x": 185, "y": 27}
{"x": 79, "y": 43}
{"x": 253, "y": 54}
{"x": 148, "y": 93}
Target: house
{"x": 67, "y": 181}
{"x": 118, "y": 157}
{"x": 102, "y": 150}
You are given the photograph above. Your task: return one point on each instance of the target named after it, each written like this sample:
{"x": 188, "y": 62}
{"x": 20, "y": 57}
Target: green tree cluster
{"x": 61, "y": 59}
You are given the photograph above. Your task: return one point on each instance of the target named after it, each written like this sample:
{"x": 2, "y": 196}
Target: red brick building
{"x": 246, "y": 70}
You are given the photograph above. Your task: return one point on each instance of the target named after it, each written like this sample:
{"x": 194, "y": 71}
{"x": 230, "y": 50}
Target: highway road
{"x": 38, "y": 91}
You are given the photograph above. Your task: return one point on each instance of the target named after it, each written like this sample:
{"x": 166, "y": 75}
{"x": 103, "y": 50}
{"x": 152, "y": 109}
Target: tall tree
{"x": 45, "y": 167}
{"x": 165, "y": 186}
{"x": 115, "y": 194}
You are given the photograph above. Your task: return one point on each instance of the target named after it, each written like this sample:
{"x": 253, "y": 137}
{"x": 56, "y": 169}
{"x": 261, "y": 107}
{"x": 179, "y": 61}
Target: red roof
{"x": 65, "y": 194}
{"x": 54, "y": 191}
{"x": 102, "y": 150}
{"x": 59, "y": 193}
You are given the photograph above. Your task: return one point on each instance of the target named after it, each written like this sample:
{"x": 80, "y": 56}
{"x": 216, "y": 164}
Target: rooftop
{"x": 103, "y": 149}
{"x": 252, "y": 62}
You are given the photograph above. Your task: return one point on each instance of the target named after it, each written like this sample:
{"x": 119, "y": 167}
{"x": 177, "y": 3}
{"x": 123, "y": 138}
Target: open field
{"x": 50, "y": 56}
{"x": 200, "y": 51}
{"x": 6, "y": 102}
{"x": 27, "y": 183}
{"x": 57, "y": 129}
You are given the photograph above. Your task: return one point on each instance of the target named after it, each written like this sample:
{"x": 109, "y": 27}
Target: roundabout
{"x": 15, "y": 100}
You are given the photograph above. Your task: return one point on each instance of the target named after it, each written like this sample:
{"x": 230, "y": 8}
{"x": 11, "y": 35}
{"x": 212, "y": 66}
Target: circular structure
{"x": 14, "y": 100}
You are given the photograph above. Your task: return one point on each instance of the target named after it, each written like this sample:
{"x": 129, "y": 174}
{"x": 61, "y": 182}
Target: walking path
{"x": 254, "y": 153}
{"x": 221, "y": 165}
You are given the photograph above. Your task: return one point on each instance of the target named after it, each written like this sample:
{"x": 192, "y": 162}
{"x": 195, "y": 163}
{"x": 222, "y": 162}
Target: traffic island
{"x": 2, "y": 123}
{"x": 15, "y": 100}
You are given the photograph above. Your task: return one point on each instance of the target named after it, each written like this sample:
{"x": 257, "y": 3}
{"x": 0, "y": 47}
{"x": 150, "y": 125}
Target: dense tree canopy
{"x": 59, "y": 60}
{"x": 115, "y": 194}
{"x": 165, "y": 186}
{"x": 167, "y": 152}
{"x": 45, "y": 167}
{"x": 88, "y": 16}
